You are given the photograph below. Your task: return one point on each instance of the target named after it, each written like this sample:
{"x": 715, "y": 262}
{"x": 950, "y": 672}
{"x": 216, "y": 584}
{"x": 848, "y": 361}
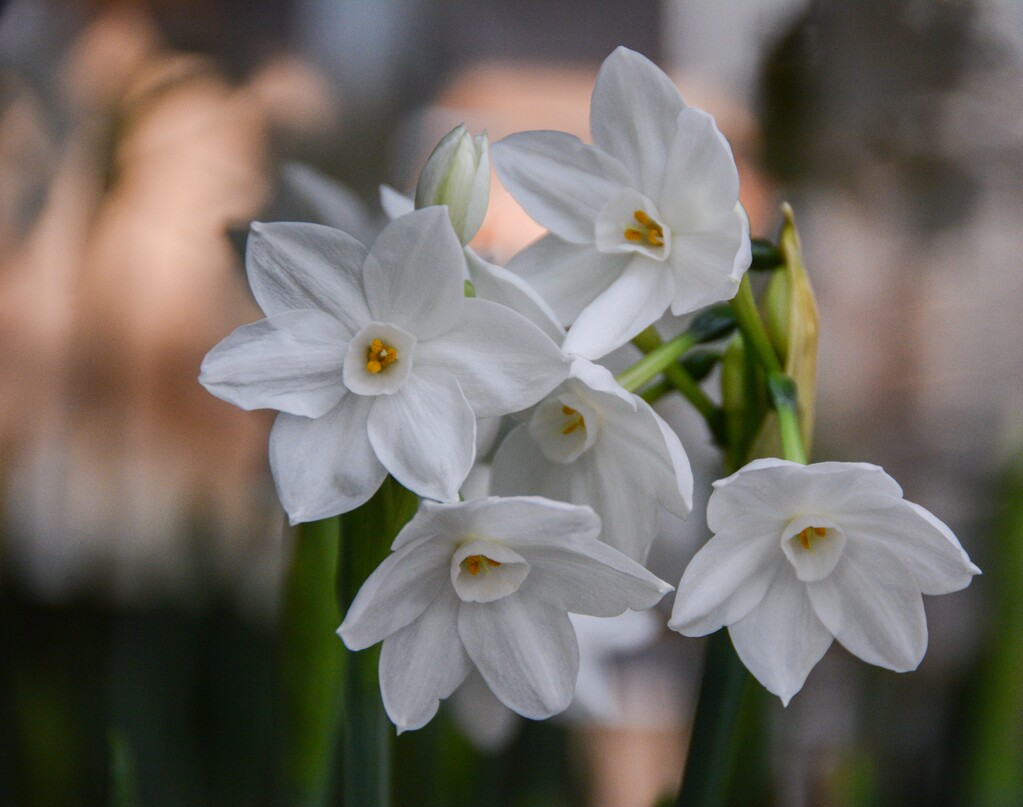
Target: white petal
{"x": 502, "y": 286}
{"x": 704, "y": 264}
{"x": 744, "y": 257}
{"x": 521, "y": 469}
{"x": 296, "y": 265}
{"x": 925, "y": 545}
{"x": 324, "y": 466}
{"x": 765, "y": 494}
{"x": 634, "y": 113}
{"x": 502, "y": 361}
{"x": 527, "y": 521}
{"x": 568, "y": 276}
{"x": 290, "y": 361}
{"x": 655, "y": 448}
{"x": 700, "y": 182}
{"x": 872, "y": 605}
{"x": 413, "y": 275}
{"x": 781, "y": 639}
{"x": 617, "y": 489}
{"x": 435, "y": 521}
{"x": 422, "y": 664}
{"x": 559, "y": 180}
{"x": 634, "y": 301}
{"x": 425, "y": 435}
{"x": 397, "y": 592}
{"x": 525, "y": 650}
{"x": 589, "y": 577}
{"x": 724, "y": 581}
{"x": 599, "y": 378}
{"x": 394, "y": 203}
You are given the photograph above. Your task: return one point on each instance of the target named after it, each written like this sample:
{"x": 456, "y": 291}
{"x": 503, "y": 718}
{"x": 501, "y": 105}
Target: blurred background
{"x": 161, "y": 641}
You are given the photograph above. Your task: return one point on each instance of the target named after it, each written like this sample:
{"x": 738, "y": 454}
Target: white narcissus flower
{"x": 489, "y": 584}
{"x": 376, "y": 361}
{"x": 591, "y": 442}
{"x": 646, "y": 218}
{"x": 804, "y": 554}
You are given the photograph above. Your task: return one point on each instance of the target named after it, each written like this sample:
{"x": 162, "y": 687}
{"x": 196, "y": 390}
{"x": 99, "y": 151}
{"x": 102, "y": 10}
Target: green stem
{"x": 677, "y": 377}
{"x": 693, "y": 392}
{"x": 312, "y": 662}
{"x": 656, "y": 360}
{"x": 745, "y": 309}
{"x": 714, "y": 739}
{"x": 654, "y": 392}
{"x": 366, "y": 536}
{"x": 783, "y": 395}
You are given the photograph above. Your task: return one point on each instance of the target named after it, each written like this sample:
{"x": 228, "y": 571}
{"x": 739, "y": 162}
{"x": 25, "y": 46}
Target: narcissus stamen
{"x": 648, "y": 230}
{"x": 807, "y": 535}
{"x": 474, "y": 564}
{"x": 577, "y": 423}
{"x": 379, "y": 356}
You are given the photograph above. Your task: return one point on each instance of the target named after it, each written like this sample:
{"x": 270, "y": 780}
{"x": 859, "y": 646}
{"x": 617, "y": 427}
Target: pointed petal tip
{"x": 681, "y": 626}
{"x": 342, "y": 629}
{"x": 973, "y": 568}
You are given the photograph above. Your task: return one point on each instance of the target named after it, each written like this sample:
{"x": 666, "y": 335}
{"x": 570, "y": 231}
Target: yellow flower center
{"x": 648, "y": 230}
{"x": 379, "y": 356}
{"x": 474, "y": 564}
{"x": 578, "y": 422}
{"x": 807, "y": 536}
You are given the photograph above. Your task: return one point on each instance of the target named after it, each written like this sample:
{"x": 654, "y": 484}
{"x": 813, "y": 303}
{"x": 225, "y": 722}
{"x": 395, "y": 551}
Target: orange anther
{"x": 474, "y": 563}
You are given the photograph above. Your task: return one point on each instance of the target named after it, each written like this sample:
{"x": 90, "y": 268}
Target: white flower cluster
{"x": 379, "y": 364}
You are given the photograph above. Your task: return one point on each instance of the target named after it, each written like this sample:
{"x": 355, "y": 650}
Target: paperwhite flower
{"x": 376, "y": 361}
{"x": 489, "y": 583}
{"x": 590, "y": 442}
{"x": 803, "y": 554}
{"x": 645, "y": 218}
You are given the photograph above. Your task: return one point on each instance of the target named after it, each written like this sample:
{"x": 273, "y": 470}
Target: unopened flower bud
{"x": 457, "y": 174}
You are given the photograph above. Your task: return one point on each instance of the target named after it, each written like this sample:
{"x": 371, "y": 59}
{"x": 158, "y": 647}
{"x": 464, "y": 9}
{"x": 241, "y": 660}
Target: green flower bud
{"x": 791, "y": 319}
{"x": 457, "y": 174}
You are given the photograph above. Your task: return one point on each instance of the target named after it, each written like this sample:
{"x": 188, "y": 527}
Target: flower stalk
{"x": 366, "y": 536}
{"x": 677, "y": 377}
{"x": 312, "y": 661}
{"x": 745, "y": 309}
{"x": 661, "y": 357}
{"x": 783, "y": 396}
{"x": 655, "y": 362}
